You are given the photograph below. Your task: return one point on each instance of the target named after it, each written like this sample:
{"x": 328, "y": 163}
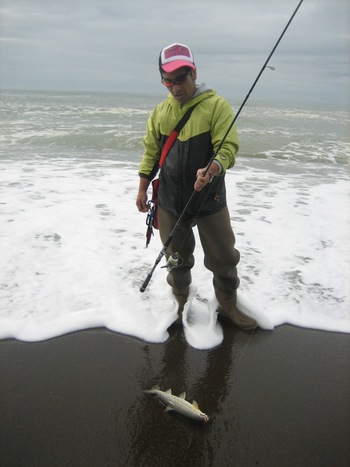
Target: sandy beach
{"x": 275, "y": 398}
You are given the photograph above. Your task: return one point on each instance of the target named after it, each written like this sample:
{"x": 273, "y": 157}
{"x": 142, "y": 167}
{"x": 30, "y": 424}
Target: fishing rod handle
{"x": 146, "y": 282}
{"x": 150, "y": 274}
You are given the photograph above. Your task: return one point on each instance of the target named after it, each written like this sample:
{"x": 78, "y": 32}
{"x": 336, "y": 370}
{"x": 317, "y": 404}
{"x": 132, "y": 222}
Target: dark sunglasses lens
{"x": 179, "y": 80}
{"x": 167, "y": 83}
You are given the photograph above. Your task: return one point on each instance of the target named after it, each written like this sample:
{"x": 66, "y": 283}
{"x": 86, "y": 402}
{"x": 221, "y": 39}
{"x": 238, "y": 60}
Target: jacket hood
{"x": 201, "y": 88}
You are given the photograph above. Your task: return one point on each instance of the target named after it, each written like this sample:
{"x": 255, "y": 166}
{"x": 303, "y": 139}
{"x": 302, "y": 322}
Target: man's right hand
{"x": 141, "y": 201}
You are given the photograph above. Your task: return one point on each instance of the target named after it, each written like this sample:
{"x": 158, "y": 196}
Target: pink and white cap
{"x": 175, "y": 56}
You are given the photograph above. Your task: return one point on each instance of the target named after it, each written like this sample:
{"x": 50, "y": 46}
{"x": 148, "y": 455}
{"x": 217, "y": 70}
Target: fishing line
{"x": 248, "y": 342}
{"x": 172, "y": 233}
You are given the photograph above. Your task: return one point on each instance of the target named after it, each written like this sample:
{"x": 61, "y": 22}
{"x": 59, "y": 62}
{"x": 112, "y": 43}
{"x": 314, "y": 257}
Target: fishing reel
{"x": 174, "y": 261}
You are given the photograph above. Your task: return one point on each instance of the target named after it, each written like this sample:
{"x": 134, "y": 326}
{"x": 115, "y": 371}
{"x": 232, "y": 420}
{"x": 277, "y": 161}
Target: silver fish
{"x": 179, "y": 404}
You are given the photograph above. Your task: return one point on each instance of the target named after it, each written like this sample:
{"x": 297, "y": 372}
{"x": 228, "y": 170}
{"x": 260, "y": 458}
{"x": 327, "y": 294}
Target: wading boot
{"x": 181, "y": 296}
{"x": 228, "y": 311}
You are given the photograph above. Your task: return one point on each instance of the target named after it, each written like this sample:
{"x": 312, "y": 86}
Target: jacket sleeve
{"x": 222, "y": 119}
{"x": 151, "y": 143}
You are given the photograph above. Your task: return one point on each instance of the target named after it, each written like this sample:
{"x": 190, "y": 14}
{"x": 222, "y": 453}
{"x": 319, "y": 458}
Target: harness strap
{"x": 174, "y": 134}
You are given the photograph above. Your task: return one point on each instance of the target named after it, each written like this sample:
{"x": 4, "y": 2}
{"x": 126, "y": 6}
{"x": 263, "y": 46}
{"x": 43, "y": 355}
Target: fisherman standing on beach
{"x": 183, "y": 170}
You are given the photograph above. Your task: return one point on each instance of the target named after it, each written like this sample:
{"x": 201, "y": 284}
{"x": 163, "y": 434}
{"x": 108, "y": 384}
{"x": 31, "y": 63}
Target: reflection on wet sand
{"x": 271, "y": 397}
{"x": 160, "y": 438}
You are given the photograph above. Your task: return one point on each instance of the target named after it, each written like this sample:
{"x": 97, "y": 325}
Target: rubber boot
{"x": 181, "y": 296}
{"x": 228, "y": 311}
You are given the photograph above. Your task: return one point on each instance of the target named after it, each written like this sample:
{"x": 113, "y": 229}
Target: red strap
{"x": 167, "y": 146}
{"x": 174, "y": 134}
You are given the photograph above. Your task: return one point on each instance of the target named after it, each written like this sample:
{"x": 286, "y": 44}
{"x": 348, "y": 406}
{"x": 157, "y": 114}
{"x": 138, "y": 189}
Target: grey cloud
{"x": 114, "y": 44}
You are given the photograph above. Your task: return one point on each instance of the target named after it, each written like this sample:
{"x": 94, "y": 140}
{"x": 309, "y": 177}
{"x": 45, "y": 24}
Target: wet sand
{"x": 278, "y": 398}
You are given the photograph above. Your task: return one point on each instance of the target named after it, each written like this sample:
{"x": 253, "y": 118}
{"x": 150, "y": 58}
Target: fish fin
{"x": 194, "y": 403}
{"x": 168, "y": 391}
{"x": 182, "y": 395}
{"x": 168, "y": 409}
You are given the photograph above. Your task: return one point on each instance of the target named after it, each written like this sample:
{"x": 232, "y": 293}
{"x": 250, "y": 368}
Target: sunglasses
{"x": 178, "y": 80}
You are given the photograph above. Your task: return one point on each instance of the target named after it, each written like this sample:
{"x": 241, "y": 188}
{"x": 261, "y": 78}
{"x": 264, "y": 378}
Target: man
{"x": 185, "y": 170}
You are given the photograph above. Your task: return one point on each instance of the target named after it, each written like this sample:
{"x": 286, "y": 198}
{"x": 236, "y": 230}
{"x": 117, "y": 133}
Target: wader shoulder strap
{"x": 174, "y": 134}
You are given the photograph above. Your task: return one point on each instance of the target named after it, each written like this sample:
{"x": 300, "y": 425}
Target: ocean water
{"x": 72, "y": 245}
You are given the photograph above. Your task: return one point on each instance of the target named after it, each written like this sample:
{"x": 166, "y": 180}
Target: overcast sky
{"x": 113, "y": 45}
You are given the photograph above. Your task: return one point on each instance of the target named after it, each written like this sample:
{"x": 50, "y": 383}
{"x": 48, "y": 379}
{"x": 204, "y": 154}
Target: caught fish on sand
{"x": 179, "y": 404}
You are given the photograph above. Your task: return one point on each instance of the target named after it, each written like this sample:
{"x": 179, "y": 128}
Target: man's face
{"x": 181, "y": 84}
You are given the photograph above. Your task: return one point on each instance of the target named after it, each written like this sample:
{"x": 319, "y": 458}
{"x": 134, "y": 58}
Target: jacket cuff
{"x": 142, "y": 175}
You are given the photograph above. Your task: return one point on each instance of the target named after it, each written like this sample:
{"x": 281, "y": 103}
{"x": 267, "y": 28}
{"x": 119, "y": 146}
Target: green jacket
{"x": 194, "y": 147}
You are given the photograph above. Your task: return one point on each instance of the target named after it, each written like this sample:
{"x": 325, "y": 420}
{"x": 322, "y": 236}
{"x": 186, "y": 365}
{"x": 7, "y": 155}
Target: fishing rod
{"x": 176, "y": 226}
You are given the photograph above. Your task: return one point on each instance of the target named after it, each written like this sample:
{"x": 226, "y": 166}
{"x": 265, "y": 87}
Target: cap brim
{"x": 172, "y": 66}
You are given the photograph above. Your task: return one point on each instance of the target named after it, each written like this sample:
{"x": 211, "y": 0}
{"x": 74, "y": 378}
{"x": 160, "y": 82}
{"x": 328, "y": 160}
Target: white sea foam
{"x": 73, "y": 244}
{"x": 73, "y": 253}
